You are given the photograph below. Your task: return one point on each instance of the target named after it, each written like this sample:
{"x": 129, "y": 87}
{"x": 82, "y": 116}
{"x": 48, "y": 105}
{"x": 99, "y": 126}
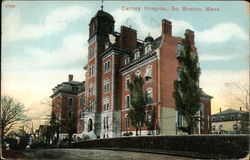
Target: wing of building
{"x": 113, "y": 58}
{"x": 230, "y": 121}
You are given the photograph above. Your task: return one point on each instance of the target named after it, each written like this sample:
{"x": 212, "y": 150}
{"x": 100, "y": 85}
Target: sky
{"x": 44, "y": 41}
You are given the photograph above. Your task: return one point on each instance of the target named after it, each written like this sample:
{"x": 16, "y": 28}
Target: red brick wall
{"x": 107, "y": 75}
{"x": 207, "y": 121}
{"x": 128, "y": 38}
{"x": 151, "y": 84}
{"x": 168, "y": 65}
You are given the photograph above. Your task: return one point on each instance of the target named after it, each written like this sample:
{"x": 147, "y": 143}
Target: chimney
{"x": 70, "y": 77}
{"x": 128, "y": 38}
{"x": 220, "y": 110}
{"x": 240, "y": 108}
{"x": 166, "y": 27}
{"x": 190, "y": 35}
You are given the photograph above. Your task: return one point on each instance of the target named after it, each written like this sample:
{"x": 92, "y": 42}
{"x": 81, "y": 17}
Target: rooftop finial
{"x": 102, "y": 6}
{"x": 148, "y": 34}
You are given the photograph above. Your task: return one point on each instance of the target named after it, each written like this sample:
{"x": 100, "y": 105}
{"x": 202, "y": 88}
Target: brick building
{"x": 113, "y": 58}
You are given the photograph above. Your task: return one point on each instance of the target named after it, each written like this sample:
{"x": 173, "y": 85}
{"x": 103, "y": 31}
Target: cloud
{"x": 71, "y": 53}
{"x": 32, "y": 87}
{"x": 14, "y": 29}
{"x": 180, "y": 26}
{"x": 221, "y": 32}
{"x": 136, "y": 21}
{"x": 213, "y": 83}
{"x": 133, "y": 18}
{"x": 204, "y": 58}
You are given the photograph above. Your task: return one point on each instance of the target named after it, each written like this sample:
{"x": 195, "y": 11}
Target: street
{"x": 92, "y": 154}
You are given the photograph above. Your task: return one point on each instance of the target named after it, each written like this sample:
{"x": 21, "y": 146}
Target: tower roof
{"x": 102, "y": 14}
{"x": 149, "y": 38}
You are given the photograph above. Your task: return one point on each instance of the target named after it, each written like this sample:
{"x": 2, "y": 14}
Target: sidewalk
{"x": 176, "y": 153}
{"x": 11, "y": 154}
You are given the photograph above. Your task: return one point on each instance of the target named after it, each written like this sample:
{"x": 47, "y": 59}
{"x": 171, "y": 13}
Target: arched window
{"x": 127, "y": 101}
{"x": 70, "y": 101}
{"x": 202, "y": 107}
{"x": 148, "y": 74}
{"x": 148, "y": 49}
{"x": 90, "y": 125}
{"x": 127, "y": 60}
{"x": 127, "y": 121}
{"x": 137, "y": 55}
{"x": 138, "y": 73}
{"x": 149, "y": 96}
{"x": 149, "y": 117}
{"x": 127, "y": 82}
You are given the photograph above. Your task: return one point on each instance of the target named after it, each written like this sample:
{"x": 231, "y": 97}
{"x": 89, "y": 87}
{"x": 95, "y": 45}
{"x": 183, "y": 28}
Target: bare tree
{"x": 12, "y": 112}
{"x": 241, "y": 94}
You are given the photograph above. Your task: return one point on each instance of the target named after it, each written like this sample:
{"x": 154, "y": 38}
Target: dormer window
{"x": 127, "y": 60}
{"x": 148, "y": 48}
{"x": 137, "y": 55}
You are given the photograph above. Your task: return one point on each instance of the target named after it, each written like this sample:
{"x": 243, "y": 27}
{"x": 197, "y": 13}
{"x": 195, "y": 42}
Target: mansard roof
{"x": 230, "y": 111}
{"x": 70, "y": 87}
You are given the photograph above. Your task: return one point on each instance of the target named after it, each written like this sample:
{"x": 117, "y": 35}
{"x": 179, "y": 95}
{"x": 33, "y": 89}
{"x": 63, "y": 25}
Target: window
{"x": 90, "y": 125}
{"x": 149, "y": 117}
{"x": 107, "y": 66}
{"x": 106, "y": 85}
{"x": 138, "y": 73}
{"x": 106, "y": 104}
{"x": 127, "y": 82}
{"x": 214, "y": 128}
{"x": 105, "y": 123}
{"x": 127, "y": 121}
{"x": 235, "y": 127}
{"x": 148, "y": 73}
{"x": 91, "y": 89}
{"x": 179, "y": 49}
{"x": 91, "y": 70}
{"x": 179, "y": 70}
{"x": 127, "y": 60}
{"x": 81, "y": 101}
{"x": 222, "y": 118}
{"x": 202, "y": 125}
{"x": 179, "y": 119}
{"x": 70, "y": 101}
{"x": 148, "y": 48}
{"x": 84, "y": 100}
{"x": 137, "y": 55}
{"x": 127, "y": 101}
{"x": 202, "y": 107}
{"x": 220, "y": 127}
{"x": 232, "y": 117}
{"x": 70, "y": 115}
{"x": 149, "y": 96}
{"x": 92, "y": 53}
{"x": 90, "y": 106}
{"x": 213, "y": 118}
